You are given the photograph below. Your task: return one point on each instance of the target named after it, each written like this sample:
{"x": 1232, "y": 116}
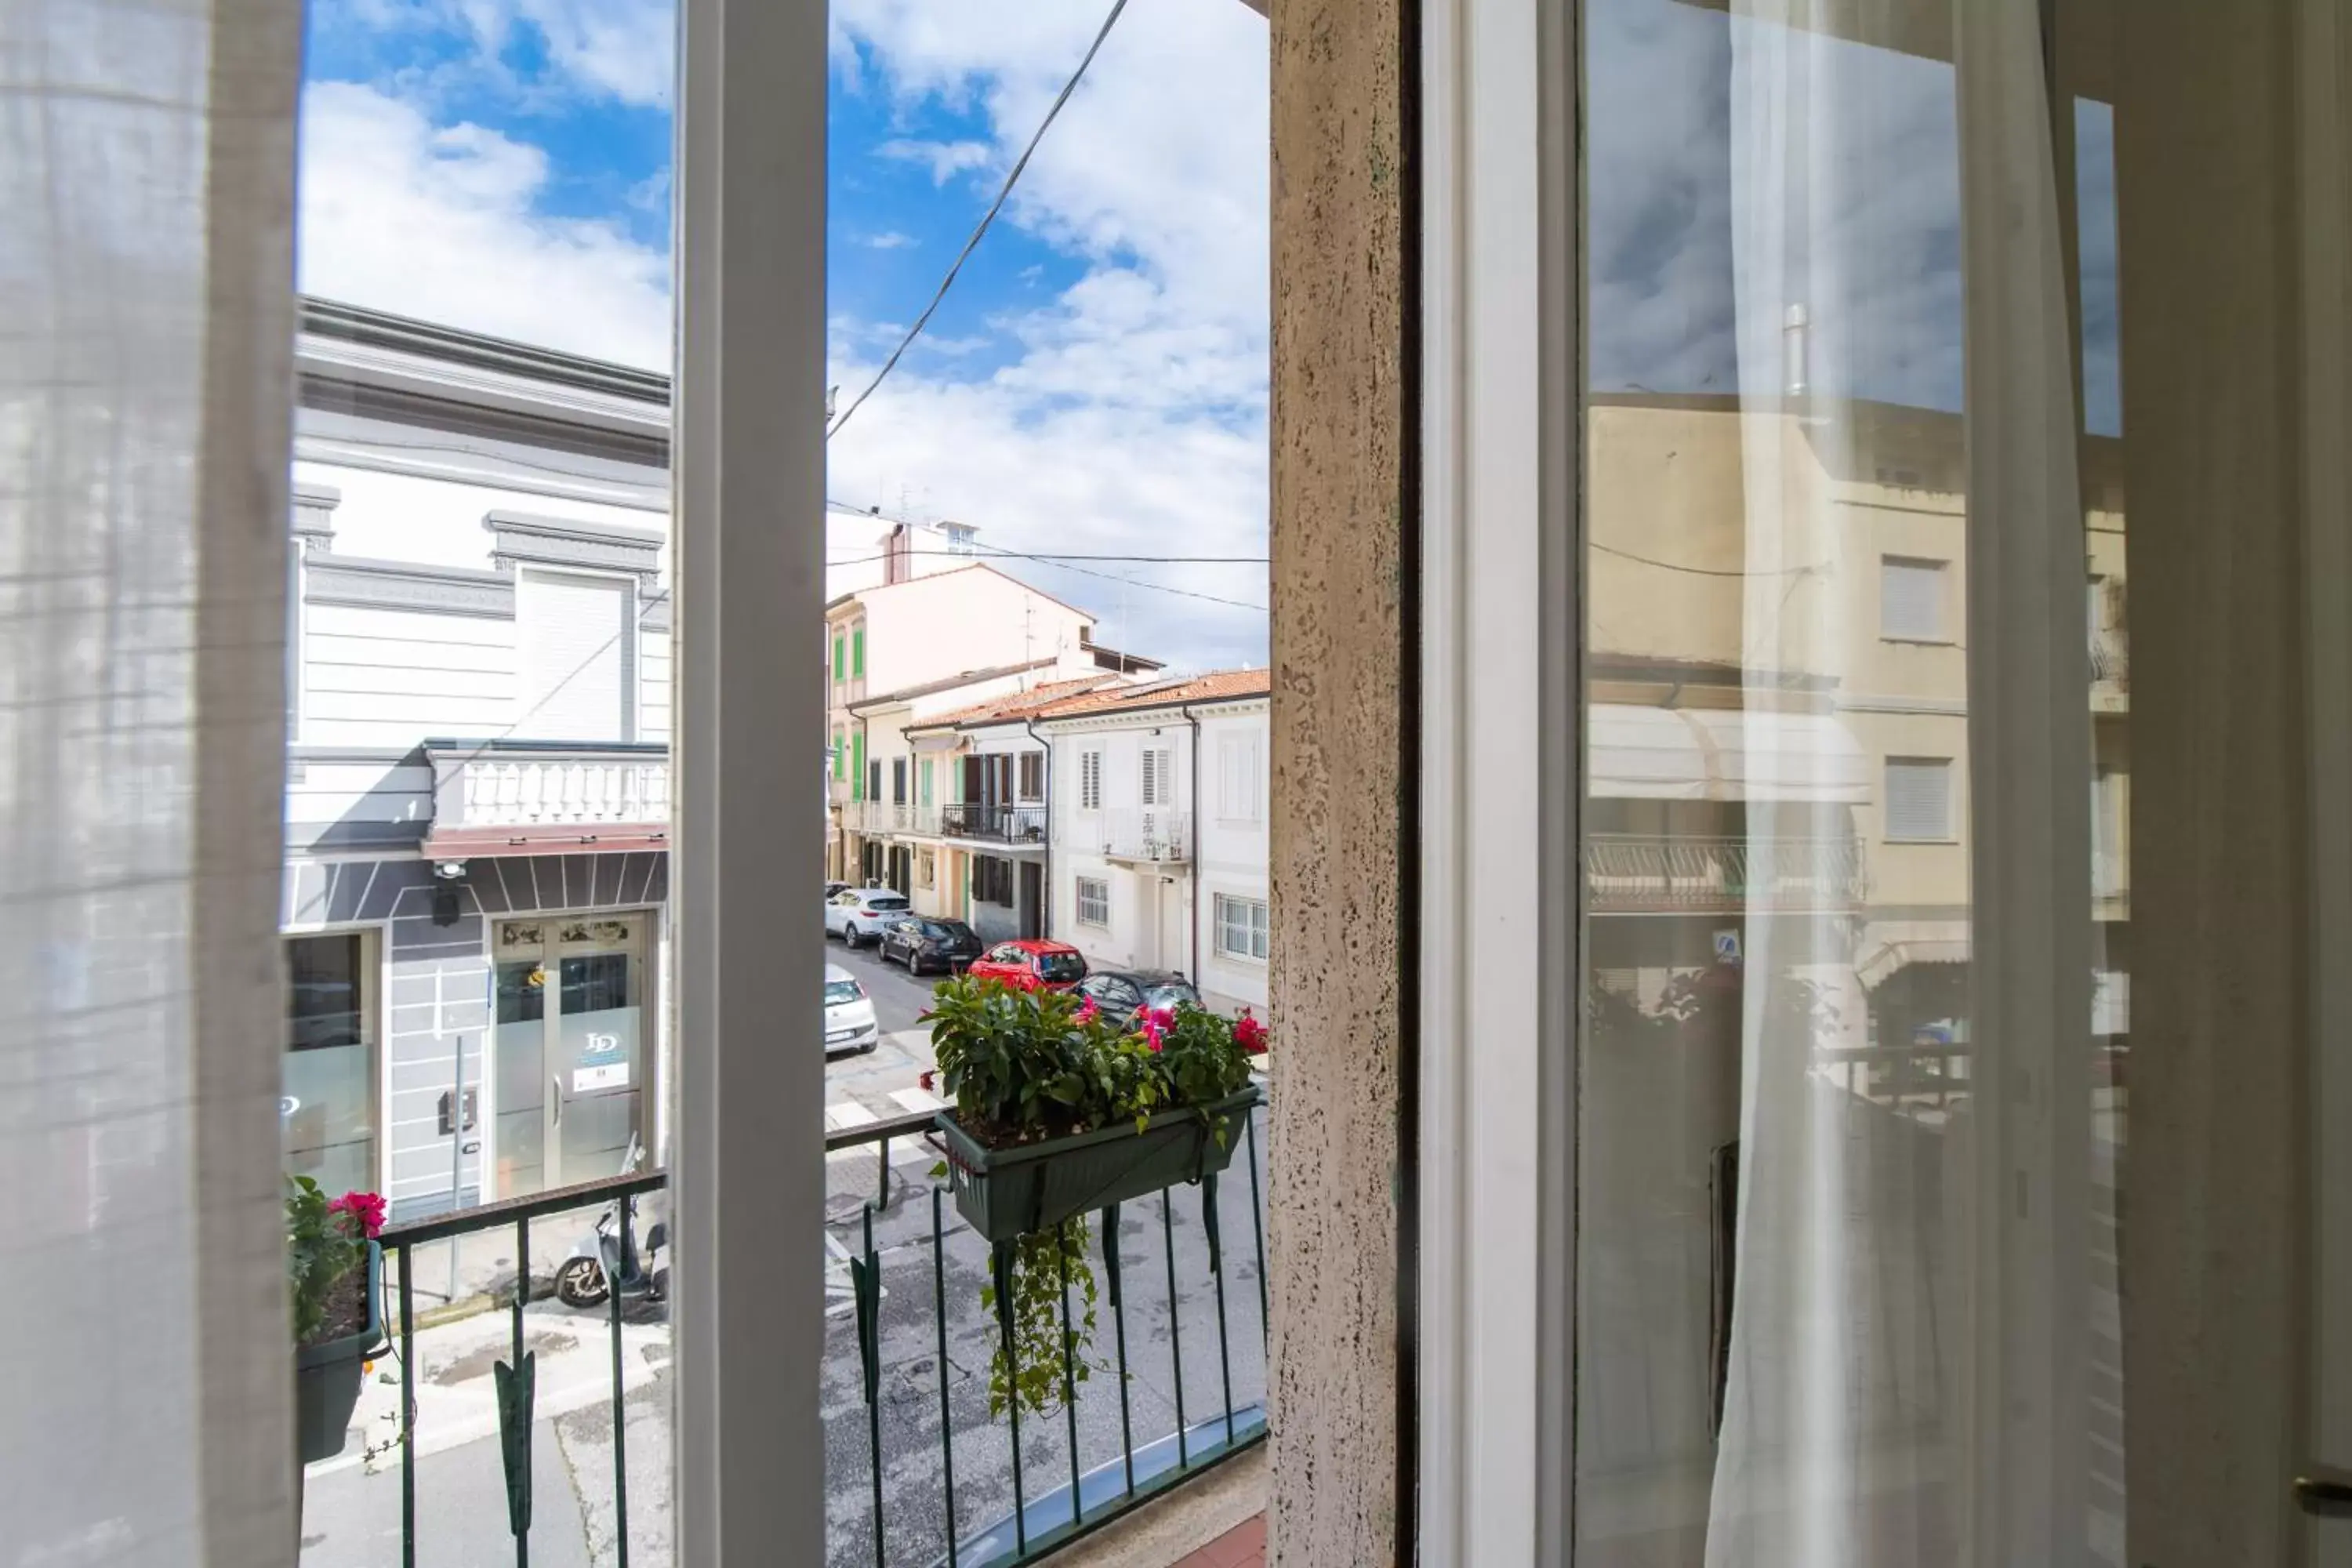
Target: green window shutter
{"x": 857, "y": 768}
{"x": 927, "y": 781}
{"x": 840, "y": 658}
{"x": 840, "y": 755}
{"x": 857, "y": 654}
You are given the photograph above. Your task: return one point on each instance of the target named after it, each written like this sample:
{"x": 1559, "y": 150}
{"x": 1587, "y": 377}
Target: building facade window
{"x": 1159, "y": 777}
{"x": 840, "y": 755}
{"x": 1032, "y": 775}
{"x": 1240, "y": 797}
{"x": 925, "y": 774}
{"x": 327, "y": 1111}
{"x": 1090, "y": 780}
{"x": 1911, "y": 599}
{"x": 857, "y": 652}
{"x": 926, "y": 869}
{"x": 1245, "y": 929}
{"x": 872, "y": 778}
{"x": 840, "y": 658}
{"x": 1093, "y": 901}
{"x": 898, "y": 780}
{"x": 1919, "y": 800}
{"x": 576, "y": 638}
{"x": 857, "y": 765}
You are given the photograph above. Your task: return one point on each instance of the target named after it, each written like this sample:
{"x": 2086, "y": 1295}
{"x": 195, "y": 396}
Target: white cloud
{"x": 890, "y": 239}
{"x": 1131, "y": 418}
{"x": 947, "y": 159}
{"x": 438, "y": 222}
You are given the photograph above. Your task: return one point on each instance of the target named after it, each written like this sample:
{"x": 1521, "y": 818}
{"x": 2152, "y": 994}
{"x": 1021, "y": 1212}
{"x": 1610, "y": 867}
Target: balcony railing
{"x": 1667, "y": 873}
{"x": 1153, "y": 832}
{"x": 510, "y": 785}
{"x": 878, "y": 817}
{"x": 908, "y": 1343}
{"x": 1019, "y": 825}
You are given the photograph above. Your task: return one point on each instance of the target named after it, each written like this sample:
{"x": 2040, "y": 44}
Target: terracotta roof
{"x": 1017, "y": 704}
{"x": 1217, "y": 686}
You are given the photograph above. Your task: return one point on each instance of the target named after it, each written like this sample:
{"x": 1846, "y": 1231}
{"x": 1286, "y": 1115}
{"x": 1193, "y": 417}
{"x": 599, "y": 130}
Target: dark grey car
{"x": 925, "y": 945}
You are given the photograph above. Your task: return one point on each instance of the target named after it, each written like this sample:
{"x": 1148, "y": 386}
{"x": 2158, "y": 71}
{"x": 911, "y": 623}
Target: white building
{"x": 1158, "y": 829}
{"x": 478, "y": 769}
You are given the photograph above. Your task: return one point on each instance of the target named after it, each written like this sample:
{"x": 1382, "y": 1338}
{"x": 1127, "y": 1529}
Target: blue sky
{"x": 1095, "y": 382}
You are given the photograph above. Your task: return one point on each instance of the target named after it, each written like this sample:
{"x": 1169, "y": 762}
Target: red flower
{"x": 1156, "y": 1024}
{"x": 365, "y": 1207}
{"x": 929, "y": 1080}
{"x": 1249, "y": 1033}
{"x": 1088, "y": 1013}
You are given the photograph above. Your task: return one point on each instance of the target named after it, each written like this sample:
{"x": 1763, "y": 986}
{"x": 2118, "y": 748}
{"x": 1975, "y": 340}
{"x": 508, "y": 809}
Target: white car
{"x": 857, "y": 915}
{"x": 849, "y": 1023}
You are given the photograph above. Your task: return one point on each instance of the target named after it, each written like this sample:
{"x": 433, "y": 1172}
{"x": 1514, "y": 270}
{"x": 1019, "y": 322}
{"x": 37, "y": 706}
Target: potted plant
{"x": 335, "y": 1270}
{"x": 1057, "y": 1112}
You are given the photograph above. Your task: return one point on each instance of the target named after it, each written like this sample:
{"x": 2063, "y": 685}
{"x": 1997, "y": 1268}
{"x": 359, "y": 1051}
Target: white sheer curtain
{"x": 1906, "y": 1361}
{"x": 146, "y": 167}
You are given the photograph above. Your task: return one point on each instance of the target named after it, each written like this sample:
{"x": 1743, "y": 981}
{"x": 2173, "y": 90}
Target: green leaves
{"x": 1037, "y": 1372}
{"x": 319, "y": 1250}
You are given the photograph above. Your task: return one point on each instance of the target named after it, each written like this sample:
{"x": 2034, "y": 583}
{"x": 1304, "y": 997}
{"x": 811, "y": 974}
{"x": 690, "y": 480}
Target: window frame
{"x": 1256, "y": 924}
{"x": 1949, "y": 832}
{"x": 1079, "y": 899}
{"x": 1942, "y": 637}
{"x": 1091, "y": 778}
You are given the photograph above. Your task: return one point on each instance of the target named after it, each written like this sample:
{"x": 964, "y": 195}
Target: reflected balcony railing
{"x": 1172, "y": 1382}
{"x": 989, "y": 823}
{"x": 1627, "y": 873}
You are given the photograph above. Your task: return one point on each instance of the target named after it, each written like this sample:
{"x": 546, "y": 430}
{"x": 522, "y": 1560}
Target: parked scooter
{"x": 587, "y": 1278}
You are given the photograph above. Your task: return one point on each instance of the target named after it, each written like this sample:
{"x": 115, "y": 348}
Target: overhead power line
{"x": 986, "y": 218}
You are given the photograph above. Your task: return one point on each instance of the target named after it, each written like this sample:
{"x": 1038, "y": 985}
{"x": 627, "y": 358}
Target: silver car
{"x": 849, "y": 1024}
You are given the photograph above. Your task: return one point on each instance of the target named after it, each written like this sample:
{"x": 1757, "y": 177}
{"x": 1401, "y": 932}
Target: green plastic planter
{"x": 327, "y": 1375}
{"x": 1008, "y": 1193}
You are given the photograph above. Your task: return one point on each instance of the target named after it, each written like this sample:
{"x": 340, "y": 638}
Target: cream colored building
{"x": 1778, "y": 749}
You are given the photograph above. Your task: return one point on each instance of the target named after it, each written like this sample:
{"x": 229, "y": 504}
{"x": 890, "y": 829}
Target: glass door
{"x": 572, "y": 1070}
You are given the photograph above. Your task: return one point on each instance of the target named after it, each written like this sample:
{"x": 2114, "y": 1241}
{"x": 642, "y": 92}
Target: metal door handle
{"x": 555, "y": 1087}
{"x": 2324, "y": 1492}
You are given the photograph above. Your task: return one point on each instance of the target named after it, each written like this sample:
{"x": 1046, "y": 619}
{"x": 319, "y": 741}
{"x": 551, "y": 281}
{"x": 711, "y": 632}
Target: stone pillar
{"x": 1343, "y": 430}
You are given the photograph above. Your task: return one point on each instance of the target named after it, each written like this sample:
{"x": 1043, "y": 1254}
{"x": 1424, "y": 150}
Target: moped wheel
{"x": 580, "y": 1283}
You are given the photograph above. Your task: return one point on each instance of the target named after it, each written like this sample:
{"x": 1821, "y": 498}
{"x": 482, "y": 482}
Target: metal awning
{"x": 1724, "y": 754}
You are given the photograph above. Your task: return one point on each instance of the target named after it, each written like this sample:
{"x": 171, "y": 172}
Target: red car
{"x": 1030, "y": 964}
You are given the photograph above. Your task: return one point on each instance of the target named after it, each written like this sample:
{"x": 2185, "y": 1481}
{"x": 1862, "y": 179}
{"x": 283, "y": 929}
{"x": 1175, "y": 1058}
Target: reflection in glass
{"x": 327, "y": 1111}
{"x": 1786, "y": 1323}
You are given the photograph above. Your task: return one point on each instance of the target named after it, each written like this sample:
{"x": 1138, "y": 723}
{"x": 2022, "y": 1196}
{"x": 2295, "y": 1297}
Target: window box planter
{"x": 327, "y": 1374}
{"x": 1003, "y": 1193}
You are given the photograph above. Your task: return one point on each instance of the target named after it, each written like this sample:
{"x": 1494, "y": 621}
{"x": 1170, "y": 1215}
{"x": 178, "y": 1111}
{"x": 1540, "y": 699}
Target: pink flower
{"x": 1088, "y": 1013}
{"x": 1249, "y": 1033}
{"x": 1155, "y": 1029}
{"x": 365, "y": 1207}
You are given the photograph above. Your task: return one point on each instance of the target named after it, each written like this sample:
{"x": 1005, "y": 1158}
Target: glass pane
{"x": 327, "y": 1111}
{"x": 522, "y": 1077}
{"x": 1782, "y": 1328}
{"x": 602, "y": 1077}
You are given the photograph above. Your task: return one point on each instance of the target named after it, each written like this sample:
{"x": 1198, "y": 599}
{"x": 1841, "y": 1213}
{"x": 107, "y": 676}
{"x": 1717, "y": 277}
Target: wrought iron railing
{"x": 1014, "y": 825}
{"x": 1659, "y": 872}
{"x": 902, "y": 1526}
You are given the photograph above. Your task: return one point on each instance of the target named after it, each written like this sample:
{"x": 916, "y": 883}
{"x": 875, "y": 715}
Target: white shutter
{"x": 1911, "y": 599}
{"x": 577, "y": 657}
{"x": 1089, "y": 781}
{"x": 1237, "y": 773}
{"x": 1159, "y": 780}
{"x": 1918, "y": 799}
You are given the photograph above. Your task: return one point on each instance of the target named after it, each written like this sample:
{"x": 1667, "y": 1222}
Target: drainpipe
{"x": 1045, "y": 875}
{"x": 1192, "y": 878}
